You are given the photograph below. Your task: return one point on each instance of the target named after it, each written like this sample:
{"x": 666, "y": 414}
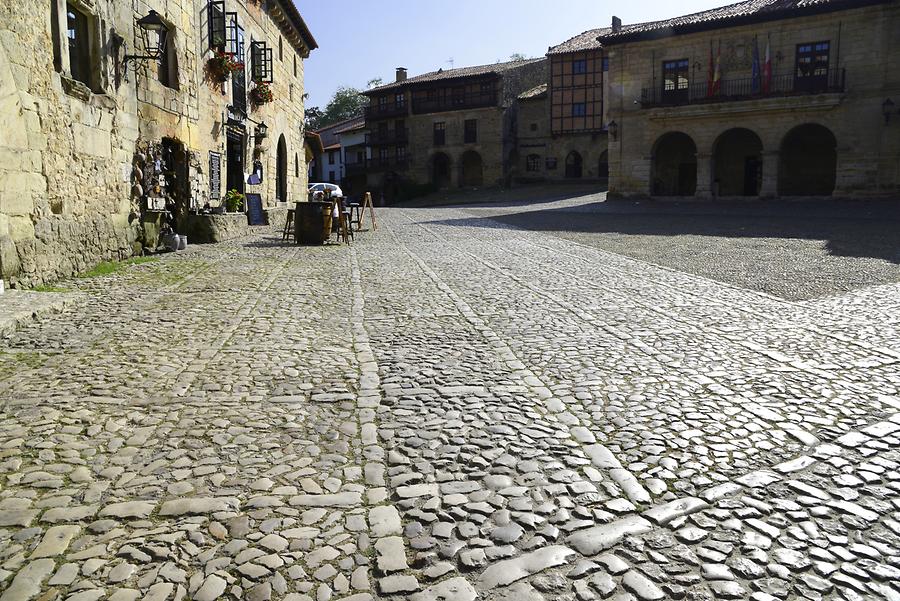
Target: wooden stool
{"x": 288, "y": 232}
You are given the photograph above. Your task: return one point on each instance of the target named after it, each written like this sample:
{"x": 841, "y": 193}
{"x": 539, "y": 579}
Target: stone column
{"x": 769, "y": 186}
{"x": 704, "y": 176}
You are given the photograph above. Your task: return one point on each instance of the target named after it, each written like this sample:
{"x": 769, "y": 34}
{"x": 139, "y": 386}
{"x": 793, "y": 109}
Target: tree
{"x": 374, "y": 83}
{"x": 518, "y": 56}
{"x": 346, "y": 103}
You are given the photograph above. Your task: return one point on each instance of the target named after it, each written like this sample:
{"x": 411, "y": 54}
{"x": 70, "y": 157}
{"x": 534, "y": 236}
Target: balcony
{"x": 454, "y": 103}
{"x": 388, "y": 164}
{"x": 735, "y": 90}
{"x": 386, "y": 137}
{"x": 385, "y": 111}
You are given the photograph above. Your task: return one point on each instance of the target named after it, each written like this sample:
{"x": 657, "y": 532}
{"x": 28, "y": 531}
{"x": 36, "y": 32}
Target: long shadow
{"x": 847, "y": 228}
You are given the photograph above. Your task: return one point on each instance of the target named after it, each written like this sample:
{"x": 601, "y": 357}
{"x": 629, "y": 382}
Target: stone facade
{"x": 404, "y": 117}
{"x": 86, "y": 147}
{"x": 828, "y": 138}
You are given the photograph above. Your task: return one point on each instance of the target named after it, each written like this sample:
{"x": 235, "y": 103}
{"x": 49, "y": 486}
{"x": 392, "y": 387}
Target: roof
{"x": 441, "y": 74}
{"x": 333, "y": 147}
{"x": 742, "y": 13}
{"x": 353, "y": 124}
{"x": 299, "y": 24}
{"x": 581, "y": 42}
{"x": 534, "y": 93}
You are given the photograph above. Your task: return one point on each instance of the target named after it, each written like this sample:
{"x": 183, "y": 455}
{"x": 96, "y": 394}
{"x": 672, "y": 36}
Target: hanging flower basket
{"x": 223, "y": 64}
{"x": 261, "y": 93}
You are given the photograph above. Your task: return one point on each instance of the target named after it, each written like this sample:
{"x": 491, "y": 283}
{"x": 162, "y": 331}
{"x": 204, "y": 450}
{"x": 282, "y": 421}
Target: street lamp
{"x": 887, "y": 107}
{"x": 262, "y": 131}
{"x": 613, "y": 129}
{"x": 154, "y": 35}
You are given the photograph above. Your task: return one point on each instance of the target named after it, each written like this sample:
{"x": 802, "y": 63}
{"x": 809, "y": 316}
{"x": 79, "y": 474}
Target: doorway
{"x": 234, "y": 160}
{"x": 281, "y": 185}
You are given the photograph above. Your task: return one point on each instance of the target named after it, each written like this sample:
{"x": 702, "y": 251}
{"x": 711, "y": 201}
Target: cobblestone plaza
{"x": 452, "y": 408}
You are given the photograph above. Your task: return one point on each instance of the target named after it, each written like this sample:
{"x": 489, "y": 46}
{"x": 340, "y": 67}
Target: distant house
{"x": 447, "y": 128}
{"x": 328, "y": 166}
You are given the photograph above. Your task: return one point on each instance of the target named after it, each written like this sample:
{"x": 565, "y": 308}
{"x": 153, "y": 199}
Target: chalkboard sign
{"x": 255, "y": 215}
{"x": 215, "y": 176}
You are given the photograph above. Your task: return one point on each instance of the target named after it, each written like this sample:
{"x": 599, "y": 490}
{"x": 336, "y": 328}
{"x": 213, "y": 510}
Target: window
{"x": 216, "y": 10}
{"x": 533, "y": 163}
{"x": 331, "y": 177}
{"x": 458, "y": 96}
{"x": 331, "y": 157}
{"x": 487, "y": 89}
{"x": 675, "y": 79}
{"x": 440, "y": 134}
{"x": 605, "y": 63}
{"x": 534, "y": 127}
{"x": 579, "y": 109}
{"x": 168, "y": 65}
{"x": 261, "y": 62}
{"x": 296, "y": 165}
{"x": 401, "y": 154}
{"x": 470, "y": 131}
{"x": 280, "y": 48}
{"x": 812, "y": 66}
{"x": 295, "y": 65}
{"x": 400, "y": 100}
{"x": 579, "y": 66}
{"x": 77, "y": 33}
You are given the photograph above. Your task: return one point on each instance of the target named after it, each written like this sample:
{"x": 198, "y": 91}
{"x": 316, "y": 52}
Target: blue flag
{"x": 756, "y": 81}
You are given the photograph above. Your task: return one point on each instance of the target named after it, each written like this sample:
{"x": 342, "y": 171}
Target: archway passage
{"x": 440, "y": 170}
{"x": 808, "y": 162}
{"x": 674, "y": 165}
{"x": 603, "y": 166}
{"x": 281, "y": 187}
{"x": 573, "y": 165}
{"x": 738, "y": 163}
{"x": 472, "y": 170}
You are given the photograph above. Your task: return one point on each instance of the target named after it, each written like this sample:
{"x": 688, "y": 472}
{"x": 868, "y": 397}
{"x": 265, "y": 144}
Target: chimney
{"x": 401, "y": 74}
{"x": 616, "y": 24}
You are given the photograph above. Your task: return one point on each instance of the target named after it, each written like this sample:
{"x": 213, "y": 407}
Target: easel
{"x": 367, "y": 202}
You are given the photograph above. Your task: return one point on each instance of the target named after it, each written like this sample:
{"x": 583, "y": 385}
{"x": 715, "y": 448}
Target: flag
{"x": 756, "y": 81}
{"x": 717, "y": 76}
{"x": 711, "y": 74}
{"x": 767, "y": 69}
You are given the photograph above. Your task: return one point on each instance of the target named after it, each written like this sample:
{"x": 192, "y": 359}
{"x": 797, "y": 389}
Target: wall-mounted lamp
{"x": 887, "y": 107}
{"x": 262, "y": 130}
{"x": 154, "y": 35}
{"x": 613, "y": 128}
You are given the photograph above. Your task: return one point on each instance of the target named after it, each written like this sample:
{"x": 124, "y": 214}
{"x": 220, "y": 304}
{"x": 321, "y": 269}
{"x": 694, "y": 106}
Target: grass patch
{"x": 46, "y": 288}
{"x": 111, "y": 267}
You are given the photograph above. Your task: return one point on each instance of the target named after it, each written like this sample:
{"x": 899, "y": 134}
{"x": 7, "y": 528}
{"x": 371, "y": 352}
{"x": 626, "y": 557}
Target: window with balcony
{"x": 579, "y": 109}
{"x": 470, "y": 132}
{"x": 400, "y": 100}
{"x": 811, "y": 73}
{"x": 675, "y": 80}
{"x": 440, "y": 134}
{"x": 579, "y": 66}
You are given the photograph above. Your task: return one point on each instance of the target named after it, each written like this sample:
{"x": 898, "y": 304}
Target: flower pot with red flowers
{"x": 222, "y": 65}
{"x": 261, "y": 93}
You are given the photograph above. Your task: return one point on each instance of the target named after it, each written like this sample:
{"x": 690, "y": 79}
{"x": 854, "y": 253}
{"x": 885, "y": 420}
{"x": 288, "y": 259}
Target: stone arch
{"x": 440, "y": 169}
{"x": 574, "y": 165}
{"x": 737, "y": 163}
{"x": 471, "y": 169}
{"x": 808, "y": 161}
{"x": 281, "y": 169}
{"x": 674, "y": 165}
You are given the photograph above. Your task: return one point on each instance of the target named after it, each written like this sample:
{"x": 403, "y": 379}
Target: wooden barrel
{"x": 309, "y": 222}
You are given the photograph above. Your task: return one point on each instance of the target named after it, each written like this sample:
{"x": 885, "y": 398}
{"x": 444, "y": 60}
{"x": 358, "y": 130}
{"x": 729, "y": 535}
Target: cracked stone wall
{"x": 67, "y": 199}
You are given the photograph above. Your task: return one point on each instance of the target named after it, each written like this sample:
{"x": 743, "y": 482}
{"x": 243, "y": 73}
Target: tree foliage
{"x": 346, "y": 103}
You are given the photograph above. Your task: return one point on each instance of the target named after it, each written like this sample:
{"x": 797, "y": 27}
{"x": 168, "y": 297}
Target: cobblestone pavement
{"x": 448, "y": 411}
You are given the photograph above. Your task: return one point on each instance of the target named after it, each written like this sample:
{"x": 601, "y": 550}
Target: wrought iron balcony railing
{"x": 747, "y": 88}
{"x": 384, "y": 111}
{"x": 390, "y": 136}
{"x": 454, "y": 103}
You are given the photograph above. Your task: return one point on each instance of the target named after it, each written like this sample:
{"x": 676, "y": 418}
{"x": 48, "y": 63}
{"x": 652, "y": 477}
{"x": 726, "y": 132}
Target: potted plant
{"x": 234, "y": 201}
{"x": 222, "y": 65}
{"x": 261, "y": 93}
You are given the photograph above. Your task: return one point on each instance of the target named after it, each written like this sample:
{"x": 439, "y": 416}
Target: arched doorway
{"x": 603, "y": 166}
{"x": 737, "y": 157}
{"x": 472, "y": 171}
{"x": 281, "y": 167}
{"x": 808, "y": 162}
{"x": 573, "y": 165}
{"x": 674, "y": 166}
{"x": 440, "y": 170}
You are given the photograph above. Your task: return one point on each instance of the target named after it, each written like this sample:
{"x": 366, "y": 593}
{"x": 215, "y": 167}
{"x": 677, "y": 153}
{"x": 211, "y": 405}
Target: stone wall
{"x": 864, "y": 43}
{"x": 76, "y": 159}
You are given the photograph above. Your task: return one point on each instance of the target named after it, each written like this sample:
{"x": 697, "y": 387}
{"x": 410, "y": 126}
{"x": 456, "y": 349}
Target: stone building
{"x": 561, "y": 125}
{"x": 699, "y": 109}
{"x": 447, "y": 128}
{"x": 103, "y": 147}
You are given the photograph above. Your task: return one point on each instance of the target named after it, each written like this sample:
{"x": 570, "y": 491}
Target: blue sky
{"x": 363, "y": 39}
